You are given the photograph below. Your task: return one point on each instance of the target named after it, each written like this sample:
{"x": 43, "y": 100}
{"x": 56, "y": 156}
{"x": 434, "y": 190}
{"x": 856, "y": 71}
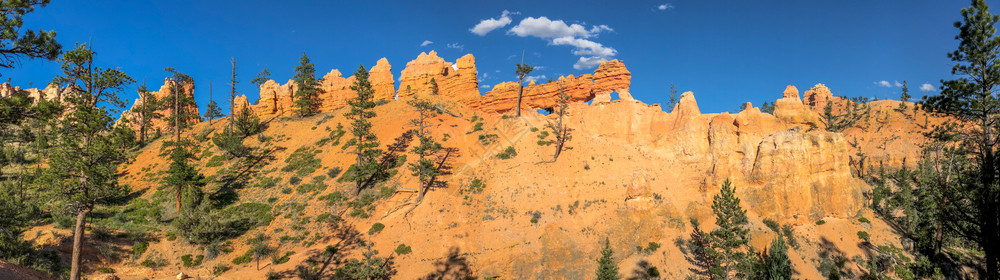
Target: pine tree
{"x": 972, "y": 99}
{"x": 232, "y": 93}
{"x": 434, "y": 87}
{"x": 15, "y": 44}
{"x": 855, "y": 110}
{"x": 179, "y": 101}
{"x": 767, "y": 107}
{"x": 306, "y": 94}
{"x": 85, "y": 135}
{"x": 262, "y": 78}
{"x": 558, "y": 127}
{"x": 731, "y": 237}
{"x": 259, "y": 247}
{"x": 706, "y": 261}
{"x": 366, "y": 166}
{"x": 148, "y": 111}
{"x": 672, "y": 99}
{"x": 522, "y": 70}
{"x": 181, "y": 175}
{"x": 424, "y": 168}
{"x": 904, "y": 97}
{"x": 607, "y": 268}
{"x": 773, "y": 263}
{"x": 213, "y": 110}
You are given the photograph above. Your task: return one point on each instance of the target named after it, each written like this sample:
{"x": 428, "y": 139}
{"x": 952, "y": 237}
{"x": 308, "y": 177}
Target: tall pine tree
{"x": 972, "y": 99}
{"x": 306, "y": 93}
{"x": 731, "y": 238}
{"x": 83, "y": 169}
{"x": 424, "y": 168}
{"x": 607, "y": 268}
{"x": 15, "y": 44}
{"x": 212, "y": 111}
{"x": 366, "y": 167}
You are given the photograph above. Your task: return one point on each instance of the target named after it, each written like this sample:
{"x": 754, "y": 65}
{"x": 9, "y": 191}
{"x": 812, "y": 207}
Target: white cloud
{"x": 456, "y": 46}
{"x": 588, "y": 62}
{"x": 665, "y": 6}
{"x": 559, "y": 33}
{"x": 484, "y": 86}
{"x": 883, "y": 83}
{"x": 927, "y": 88}
{"x": 543, "y": 27}
{"x": 585, "y": 47}
{"x": 897, "y": 84}
{"x": 535, "y": 78}
{"x": 425, "y": 43}
{"x": 490, "y": 24}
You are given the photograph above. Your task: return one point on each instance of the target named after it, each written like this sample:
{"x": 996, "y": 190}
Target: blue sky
{"x": 726, "y": 52}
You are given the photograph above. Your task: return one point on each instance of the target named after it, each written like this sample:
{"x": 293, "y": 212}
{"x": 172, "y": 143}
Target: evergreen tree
{"x": 213, "y": 110}
{"x": 148, "y": 111}
{"x": 972, "y": 98}
{"x": 366, "y": 166}
{"x": 15, "y": 44}
{"x": 731, "y": 238}
{"x": 767, "y": 107}
{"x": 558, "y": 127}
{"x": 180, "y": 103}
{"x": 259, "y": 247}
{"x": 232, "y": 93}
{"x": 773, "y": 263}
{"x": 904, "y": 97}
{"x": 181, "y": 175}
{"x": 522, "y": 70}
{"x": 262, "y": 78}
{"x": 434, "y": 87}
{"x": 854, "y": 111}
{"x": 424, "y": 168}
{"x": 607, "y": 268}
{"x": 672, "y": 99}
{"x": 706, "y": 261}
{"x": 306, "y": 93}
{"x": 83, "y": 169}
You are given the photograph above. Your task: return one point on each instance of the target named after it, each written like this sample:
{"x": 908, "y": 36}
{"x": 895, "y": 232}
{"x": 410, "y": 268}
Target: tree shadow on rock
{"x": 454, "y": 266}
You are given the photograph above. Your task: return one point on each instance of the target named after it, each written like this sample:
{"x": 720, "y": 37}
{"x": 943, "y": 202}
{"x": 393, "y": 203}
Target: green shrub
{"x": 487, "y": 139}
{"x": 242, "y": 259}
{"x": 266, "y": 182}
{"x": 650, "y": 248}
{"x": 276, "y": 259}
{"x": 820, "y": 222}
{"x": 333, "y": 172}
{"x": 402, "y": 249}
{"x": 534, "y": 129}
{"x": 302, "y": 161}
{"x": 333, "y": 198}
{"x": 790, "y": 236}
{"x": 105, "y": 269}
{"x": 154, "y": 261}
{"x": 863, "y": 235}
{"x": 772, "y": 225}
{"x": 139, "y": 247}
{"x": 192, "y": 262}
{"x": 376, "y": 228}
{"x": 864, "y": 220}
{"x": 476, "y": 127}
{"x": 508, "y": 153}
{"x": 219, "y": 269}
{"x": 216, "y": 160}
{"x": 294, "y": 181}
